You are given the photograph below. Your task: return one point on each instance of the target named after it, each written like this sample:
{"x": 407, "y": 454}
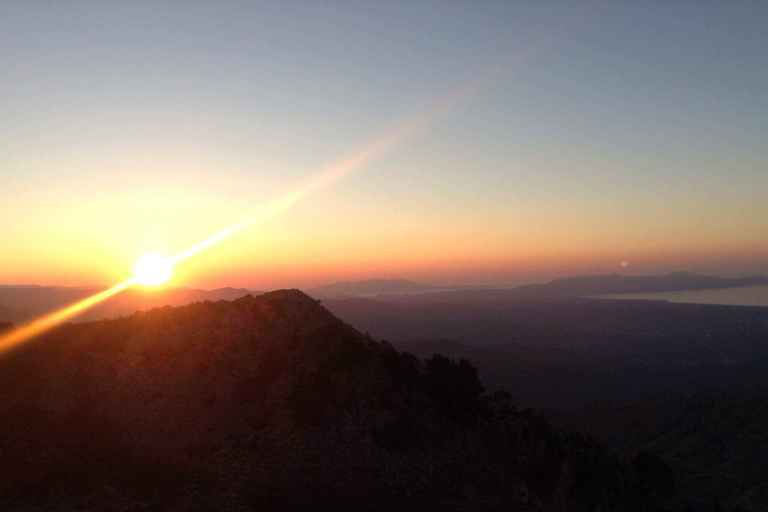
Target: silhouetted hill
{"x": 369, "y": 287}
{"x": 271, "y": 403}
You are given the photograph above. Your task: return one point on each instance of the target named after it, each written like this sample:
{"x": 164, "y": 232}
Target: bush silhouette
{"x": 454, "y": 388}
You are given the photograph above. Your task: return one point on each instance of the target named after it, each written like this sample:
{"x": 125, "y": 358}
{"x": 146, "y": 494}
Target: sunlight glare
{"x": 155, "y": 269}
{"x": 152, "y": 270}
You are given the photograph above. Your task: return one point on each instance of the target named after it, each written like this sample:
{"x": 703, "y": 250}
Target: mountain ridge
{"x": 271, "y": 402}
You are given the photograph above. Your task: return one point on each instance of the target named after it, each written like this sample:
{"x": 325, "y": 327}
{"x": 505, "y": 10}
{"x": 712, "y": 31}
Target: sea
{"x": 742, "y": 296}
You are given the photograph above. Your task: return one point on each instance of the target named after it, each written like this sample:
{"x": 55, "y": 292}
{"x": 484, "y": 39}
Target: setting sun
{"x": 152, "y": 270}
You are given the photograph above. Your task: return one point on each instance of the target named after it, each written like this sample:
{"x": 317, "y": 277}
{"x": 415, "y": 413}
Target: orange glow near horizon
{"x": 153, "y": 269}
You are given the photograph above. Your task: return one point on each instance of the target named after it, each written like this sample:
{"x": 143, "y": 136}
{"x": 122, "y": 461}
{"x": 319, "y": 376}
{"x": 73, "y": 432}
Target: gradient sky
{"x": 606, "y": 131}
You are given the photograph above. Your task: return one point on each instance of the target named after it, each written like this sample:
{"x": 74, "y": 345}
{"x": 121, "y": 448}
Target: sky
{"x": 592, "y": 133}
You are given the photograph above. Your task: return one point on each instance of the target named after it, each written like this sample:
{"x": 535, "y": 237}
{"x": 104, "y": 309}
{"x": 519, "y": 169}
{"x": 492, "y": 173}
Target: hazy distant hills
{"x": 19, "y": 304}
{"x": 22, "y": 303}
{"x": 369, "y": 287}
{"x": 271, "y": 403}
{"x": 395, "y": 290}
{"x": 10, "y": 314}
{"x": 583, "y": 286}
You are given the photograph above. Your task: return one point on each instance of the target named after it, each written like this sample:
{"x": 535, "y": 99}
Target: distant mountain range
{"x": 583, "y": 286}
{"x": 22, "y": 303}
{"x": 370, "y": 287}
{"x": 580, "y": 286}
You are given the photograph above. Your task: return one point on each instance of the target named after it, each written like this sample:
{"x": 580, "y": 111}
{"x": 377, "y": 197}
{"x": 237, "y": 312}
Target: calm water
{"x": 744, "y": 296}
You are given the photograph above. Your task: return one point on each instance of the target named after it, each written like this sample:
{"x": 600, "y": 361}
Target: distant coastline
{"x": 740, "y": 296}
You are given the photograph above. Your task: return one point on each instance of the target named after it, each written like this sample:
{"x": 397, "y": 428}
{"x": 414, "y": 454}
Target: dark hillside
{"x": 271, "y": 403}
{"x": 717, "y": 444}
{"x": 575, "y": 368}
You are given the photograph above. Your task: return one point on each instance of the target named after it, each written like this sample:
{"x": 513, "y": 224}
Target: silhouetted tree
{"x": 454, "y": 388}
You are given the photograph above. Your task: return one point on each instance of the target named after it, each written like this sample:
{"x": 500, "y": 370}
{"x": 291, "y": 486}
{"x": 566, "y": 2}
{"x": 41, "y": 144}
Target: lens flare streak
{"x": 39, "y": 326}
{"x": 334, "y": 172}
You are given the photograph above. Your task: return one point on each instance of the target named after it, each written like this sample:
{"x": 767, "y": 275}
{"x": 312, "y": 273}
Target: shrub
{"x": 454, "y": 388}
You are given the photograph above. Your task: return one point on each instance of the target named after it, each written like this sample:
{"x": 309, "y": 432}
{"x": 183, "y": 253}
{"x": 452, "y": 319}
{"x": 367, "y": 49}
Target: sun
{"x": 152, "y": 270}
